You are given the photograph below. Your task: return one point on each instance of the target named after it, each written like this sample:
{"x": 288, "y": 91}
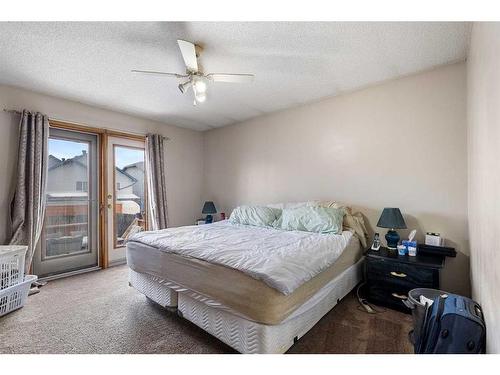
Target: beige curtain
{"x": 155, "y": 174}
{"x": 28, "y": 204}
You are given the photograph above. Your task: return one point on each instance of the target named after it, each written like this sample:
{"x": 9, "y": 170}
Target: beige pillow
{"x": 335, "y": 204}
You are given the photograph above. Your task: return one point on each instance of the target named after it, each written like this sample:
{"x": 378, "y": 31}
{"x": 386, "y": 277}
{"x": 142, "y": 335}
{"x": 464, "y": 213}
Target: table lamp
{"x": 209, "y": 209}
{"x": 391, "y": 218}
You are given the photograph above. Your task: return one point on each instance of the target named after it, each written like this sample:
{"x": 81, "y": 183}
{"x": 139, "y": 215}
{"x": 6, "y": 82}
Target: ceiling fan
{"x": 194, "y": 78}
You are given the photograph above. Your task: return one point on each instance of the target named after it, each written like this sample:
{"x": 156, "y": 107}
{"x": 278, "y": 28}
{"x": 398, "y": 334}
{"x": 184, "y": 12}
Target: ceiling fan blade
{"x": 230, "y": 78}
{"x": 160, "y": 73}
{"x": 188, "y": 51}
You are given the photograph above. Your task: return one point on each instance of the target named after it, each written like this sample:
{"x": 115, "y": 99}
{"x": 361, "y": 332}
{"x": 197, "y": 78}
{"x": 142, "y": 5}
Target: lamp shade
{"x": 209, "y": 208}
{"x": 391, "y": 218}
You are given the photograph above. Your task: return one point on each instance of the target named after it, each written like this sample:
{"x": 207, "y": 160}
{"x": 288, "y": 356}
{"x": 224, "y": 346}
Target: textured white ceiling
{"x": 294, "y": 63}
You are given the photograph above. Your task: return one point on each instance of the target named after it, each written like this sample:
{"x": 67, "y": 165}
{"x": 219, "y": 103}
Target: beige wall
{"x": 401, "y": 143}
{"x": 184, "y": 158}
{"x": 483, "y": 85}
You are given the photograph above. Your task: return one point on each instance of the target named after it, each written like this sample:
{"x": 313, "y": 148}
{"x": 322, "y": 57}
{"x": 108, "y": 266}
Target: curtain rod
{"x": 20, "y": 113}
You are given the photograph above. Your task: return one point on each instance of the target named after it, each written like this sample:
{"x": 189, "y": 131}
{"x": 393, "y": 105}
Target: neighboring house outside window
{"x": 136, "y": 170}
{"x": 82, "y": 186}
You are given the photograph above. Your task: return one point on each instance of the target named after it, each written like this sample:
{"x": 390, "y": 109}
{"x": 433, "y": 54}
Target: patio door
{"x": 125, "y": 194}
{"x": 69, "y": 241}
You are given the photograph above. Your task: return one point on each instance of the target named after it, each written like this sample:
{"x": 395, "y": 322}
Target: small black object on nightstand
{"x": 389, "y": 276}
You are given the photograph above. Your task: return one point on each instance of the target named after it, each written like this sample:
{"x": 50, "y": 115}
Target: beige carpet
{"x": 99, "y": 313}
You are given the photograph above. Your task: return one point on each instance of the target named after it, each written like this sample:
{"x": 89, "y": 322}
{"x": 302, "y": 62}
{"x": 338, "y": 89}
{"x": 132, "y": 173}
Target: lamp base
{"x": 392, "y": 238}
{"x": 209, "y": 219}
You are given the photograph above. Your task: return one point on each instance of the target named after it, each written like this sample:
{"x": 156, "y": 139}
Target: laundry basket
{"x": 11, "y": 265}
{"x": 14, "y": 297}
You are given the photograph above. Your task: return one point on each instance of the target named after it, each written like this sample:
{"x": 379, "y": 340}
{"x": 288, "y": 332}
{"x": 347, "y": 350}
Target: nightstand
{"x": 389, "y": 276}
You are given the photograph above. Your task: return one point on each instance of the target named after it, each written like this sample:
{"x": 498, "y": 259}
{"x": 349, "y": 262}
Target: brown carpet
{"x": 99, "y": 313}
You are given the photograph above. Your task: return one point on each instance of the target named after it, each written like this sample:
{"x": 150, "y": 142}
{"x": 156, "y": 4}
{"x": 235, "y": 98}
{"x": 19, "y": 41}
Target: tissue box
{"x": 411, "y": 247}
{"x": 434, "y": 239}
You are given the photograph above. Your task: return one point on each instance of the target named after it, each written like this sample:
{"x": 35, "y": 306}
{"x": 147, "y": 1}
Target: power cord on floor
{"x": 376, "y": 310}
{"x": 364, "y": 305}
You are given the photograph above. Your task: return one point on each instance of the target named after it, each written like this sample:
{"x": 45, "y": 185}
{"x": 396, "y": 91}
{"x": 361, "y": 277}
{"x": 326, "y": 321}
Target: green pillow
{"x": 254, "y": 215}
{"x": 312, "y": 219}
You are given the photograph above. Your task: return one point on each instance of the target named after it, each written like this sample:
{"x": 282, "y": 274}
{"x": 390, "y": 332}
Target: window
{"x": 69, "y": 238}
{"x": 129, "y": 204}
{"x": 82, "y": 186}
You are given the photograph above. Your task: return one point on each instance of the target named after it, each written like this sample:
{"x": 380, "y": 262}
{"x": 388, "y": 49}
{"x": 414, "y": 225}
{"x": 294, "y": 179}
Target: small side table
{"x": 389, "y": 276}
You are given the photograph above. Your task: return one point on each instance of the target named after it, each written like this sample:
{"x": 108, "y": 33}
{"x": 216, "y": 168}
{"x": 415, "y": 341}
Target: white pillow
{"x": 292, "y": 205}
{"x": 260, "y": 216}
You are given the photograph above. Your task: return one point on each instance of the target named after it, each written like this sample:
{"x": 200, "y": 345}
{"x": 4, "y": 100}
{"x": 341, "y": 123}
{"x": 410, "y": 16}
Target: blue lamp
{"x": 209, "y": 209}
{"x": 391, "y": 218}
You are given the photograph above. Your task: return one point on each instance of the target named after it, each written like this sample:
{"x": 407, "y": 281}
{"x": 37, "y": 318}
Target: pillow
{"x": 312, "y": 219}
{"x": 334, "y": 204}
{"x": 254, "y": 215}
{"x": 352, "y": 222}
{"x": 282, "y": 206}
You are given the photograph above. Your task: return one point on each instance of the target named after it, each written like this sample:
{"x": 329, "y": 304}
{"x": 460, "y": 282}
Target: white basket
{"x": 14, "y": 297}
{"x": 11, "y": 265}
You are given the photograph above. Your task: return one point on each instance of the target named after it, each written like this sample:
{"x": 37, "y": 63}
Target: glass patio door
{"x": 69, "y": 240}
{"x": 125, "y": 194}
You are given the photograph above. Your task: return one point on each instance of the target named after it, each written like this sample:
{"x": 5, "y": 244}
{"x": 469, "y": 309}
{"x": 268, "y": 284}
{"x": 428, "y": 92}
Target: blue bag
{"x": 452, "y": 325}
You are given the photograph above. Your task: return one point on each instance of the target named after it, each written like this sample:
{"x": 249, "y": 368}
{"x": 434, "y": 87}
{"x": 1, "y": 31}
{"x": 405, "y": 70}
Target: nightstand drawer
{"x": 388, "y": 295}
{"x": 400, "y": 274}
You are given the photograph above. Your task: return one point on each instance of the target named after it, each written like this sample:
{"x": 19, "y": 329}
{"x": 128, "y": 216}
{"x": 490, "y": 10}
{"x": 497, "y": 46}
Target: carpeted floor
{"x": 99, "y": 313}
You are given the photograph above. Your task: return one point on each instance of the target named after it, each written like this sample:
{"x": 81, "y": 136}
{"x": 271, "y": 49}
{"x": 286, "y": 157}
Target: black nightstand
{"x": 389, "y": 276}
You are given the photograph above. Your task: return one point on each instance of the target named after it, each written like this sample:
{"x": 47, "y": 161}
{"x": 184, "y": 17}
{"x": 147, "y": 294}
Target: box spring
{"x": 244, "y": 335}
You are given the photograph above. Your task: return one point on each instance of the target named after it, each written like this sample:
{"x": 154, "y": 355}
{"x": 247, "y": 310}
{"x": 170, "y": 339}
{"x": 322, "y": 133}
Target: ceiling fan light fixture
{"x": 183, "y": 87}
{"x": 194, "y": 77}
{"x": 201, "y": 97}
{"x": 199, "y": 85}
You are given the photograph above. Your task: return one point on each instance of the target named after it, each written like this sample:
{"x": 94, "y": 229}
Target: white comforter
{"x": 282, "y": 259}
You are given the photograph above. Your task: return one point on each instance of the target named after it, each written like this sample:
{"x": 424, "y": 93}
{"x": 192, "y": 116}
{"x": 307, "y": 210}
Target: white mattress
{"x": 284, "y": 260}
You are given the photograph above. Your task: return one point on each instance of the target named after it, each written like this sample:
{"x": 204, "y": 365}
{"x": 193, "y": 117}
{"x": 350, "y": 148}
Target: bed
{"x": 256, "y": 289}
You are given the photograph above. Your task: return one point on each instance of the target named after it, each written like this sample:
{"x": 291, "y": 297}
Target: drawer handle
{"x": 397, "y": 274}
{"x": 399, "y": 296}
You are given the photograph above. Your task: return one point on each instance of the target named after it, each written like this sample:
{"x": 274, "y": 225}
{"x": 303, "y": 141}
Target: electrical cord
{"x": 376, "y": 310}
{"x": 363, "y": 303}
